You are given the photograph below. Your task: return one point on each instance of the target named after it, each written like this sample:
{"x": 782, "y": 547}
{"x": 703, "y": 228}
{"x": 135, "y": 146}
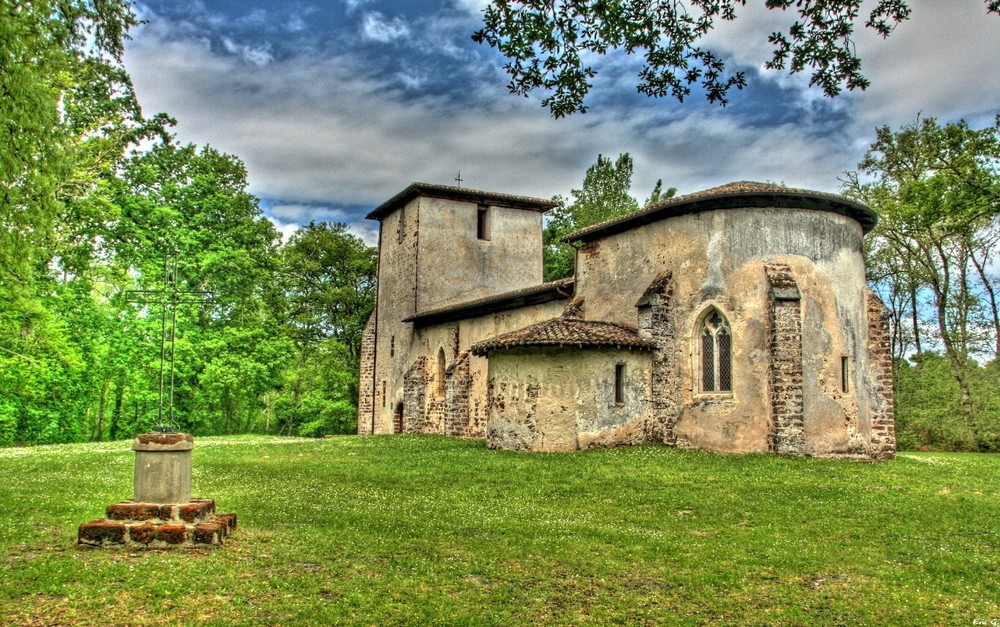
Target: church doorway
{"x": 397, "y": 419}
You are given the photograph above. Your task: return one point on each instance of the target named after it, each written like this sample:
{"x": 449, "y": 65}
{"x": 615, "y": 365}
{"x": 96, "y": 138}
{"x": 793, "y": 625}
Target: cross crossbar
{"x": 168, "y": 298}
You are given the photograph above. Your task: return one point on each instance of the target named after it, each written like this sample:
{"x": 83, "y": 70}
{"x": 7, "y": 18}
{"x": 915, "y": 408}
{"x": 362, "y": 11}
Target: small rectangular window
{"x": 845, "y": 374}
{"x": 392, "y": 346}
{"x": 383, "y": 393}
{"x": 619, "y": 384}
{"x": 483, "y": 222}
{"x": 400, "y": 229}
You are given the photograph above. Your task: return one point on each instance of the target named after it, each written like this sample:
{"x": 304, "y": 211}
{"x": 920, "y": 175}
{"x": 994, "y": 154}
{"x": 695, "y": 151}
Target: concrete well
{"x": 162, "y": 467}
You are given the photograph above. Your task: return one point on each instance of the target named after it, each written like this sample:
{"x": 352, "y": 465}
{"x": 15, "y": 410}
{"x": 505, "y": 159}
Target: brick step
{"x": 198, "y": 510}
{"x": 159, "y": 525}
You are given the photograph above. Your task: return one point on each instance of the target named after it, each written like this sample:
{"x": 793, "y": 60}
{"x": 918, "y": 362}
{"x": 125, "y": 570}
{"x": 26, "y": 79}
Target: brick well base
{"x": 158, "y": 525}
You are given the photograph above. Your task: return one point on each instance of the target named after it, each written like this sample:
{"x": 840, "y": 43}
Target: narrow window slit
{"x": 483, "y": 222}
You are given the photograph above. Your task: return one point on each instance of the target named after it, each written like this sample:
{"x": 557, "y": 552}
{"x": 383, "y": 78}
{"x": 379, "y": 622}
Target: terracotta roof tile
{"x": 567, "y": 332}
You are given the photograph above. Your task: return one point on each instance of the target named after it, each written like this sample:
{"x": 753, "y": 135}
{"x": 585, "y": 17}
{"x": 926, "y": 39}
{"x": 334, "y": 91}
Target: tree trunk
{"x": 991, "y": 293}
{"x": 941, "y": 286}
{"x": 116, "y": 417}
{"x": 97, "y": 434}
{"x": 916, "y": 322}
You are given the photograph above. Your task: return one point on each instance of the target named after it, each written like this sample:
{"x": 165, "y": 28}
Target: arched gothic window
{"x": 716, "y": 348}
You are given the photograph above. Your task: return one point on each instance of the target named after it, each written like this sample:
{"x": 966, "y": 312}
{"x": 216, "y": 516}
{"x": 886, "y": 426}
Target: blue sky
{"x": 336, "y": 105}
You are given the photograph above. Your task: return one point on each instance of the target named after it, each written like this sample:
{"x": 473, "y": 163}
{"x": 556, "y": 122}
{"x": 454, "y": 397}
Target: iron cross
{"x": 168, "y": 298}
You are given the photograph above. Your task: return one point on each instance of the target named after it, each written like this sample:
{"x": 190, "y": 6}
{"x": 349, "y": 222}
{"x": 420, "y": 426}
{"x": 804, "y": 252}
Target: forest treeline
{"x": 94, "y": 196}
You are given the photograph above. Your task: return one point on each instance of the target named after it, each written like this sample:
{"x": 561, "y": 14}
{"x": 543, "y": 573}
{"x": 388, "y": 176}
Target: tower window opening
{"x": 483, "y": 223}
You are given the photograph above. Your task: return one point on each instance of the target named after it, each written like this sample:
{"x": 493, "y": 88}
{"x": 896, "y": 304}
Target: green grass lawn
{"x": 430, "y": 530}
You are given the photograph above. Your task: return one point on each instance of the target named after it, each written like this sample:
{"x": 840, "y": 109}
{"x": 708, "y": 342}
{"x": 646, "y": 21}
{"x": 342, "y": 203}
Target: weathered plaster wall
{"x": 563, "y": 399}
{"x": 455, "y": 266}
{"x": 717, "y": 258}
{"x": 430, "y": 256}
{"x": 456, "y": 338}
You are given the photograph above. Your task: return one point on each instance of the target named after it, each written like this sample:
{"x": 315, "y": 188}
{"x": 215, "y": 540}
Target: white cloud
{"x": 942, "y": 62}
{"x": 258, "y": 56}
{"x": 295, "y": 24}
{"x": 376, "y": 27}
{"x": 412, "y": 79}
{"x": 285, "y": 229}
{"x": 474, "y": 7}
{"x": 320, "y": 132}
{"x": 354, "y": 5}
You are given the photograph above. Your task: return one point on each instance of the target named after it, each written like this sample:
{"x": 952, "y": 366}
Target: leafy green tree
{"x": 929, "y": 402}
{"x": 68, "y": 113}
{"x": 548, "y": 44}
{"x": 605, "y": 194}
{"x": 329, "y": 276}
{"x": 937, "y": 191}
{"x": 193, "y": 203}
{"x": 49, "y": 53}
{"x": 329, "y": 282}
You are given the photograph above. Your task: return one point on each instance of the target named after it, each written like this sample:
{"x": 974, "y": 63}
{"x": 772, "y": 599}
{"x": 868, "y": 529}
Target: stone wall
{"x": 366, "y": 380}
{"x": 883, "y": 429}
{"x": 396, "y": 300}
{"x": 459, "y": 384}
{"x": 656, "y": 322}
{"x": 430, "y": 256}
{"x": 454, "y": 265}
{"x": 717, "y": 260}
{"x": 785, "y": 348}
{"x": 416, "y": 384}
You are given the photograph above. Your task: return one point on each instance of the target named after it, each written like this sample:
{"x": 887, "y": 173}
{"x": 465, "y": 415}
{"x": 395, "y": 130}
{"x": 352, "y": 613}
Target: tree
{"x": 547, "y": 44}
{"x": 937, "y": 191}
{"x": 67, "y": 110}
{"x": 605, "y": 194}
{"x": 329, "y": 282}
{"x": 67, "y": 115}
{"x": 329, "y": 277}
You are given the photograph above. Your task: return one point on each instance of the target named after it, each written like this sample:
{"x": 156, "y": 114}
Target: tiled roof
{"x": 741, "y": 194}
{"x": 459, "y": 193}
{"x": 567, "y": 332}
{"x": 542, "y": 293}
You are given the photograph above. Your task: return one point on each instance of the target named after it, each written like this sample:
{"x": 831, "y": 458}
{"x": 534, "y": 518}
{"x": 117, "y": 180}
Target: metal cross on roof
{"x": 459, "y": 179}
{"x": 168, "y": 298}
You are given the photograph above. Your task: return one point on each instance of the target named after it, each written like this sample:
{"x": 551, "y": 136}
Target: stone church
{"x": 734, "y": 320}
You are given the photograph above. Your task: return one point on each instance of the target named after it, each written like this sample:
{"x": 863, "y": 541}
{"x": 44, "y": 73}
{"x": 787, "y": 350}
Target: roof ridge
{"x": 417, "y": 188}
{"x": 864, "y": 215}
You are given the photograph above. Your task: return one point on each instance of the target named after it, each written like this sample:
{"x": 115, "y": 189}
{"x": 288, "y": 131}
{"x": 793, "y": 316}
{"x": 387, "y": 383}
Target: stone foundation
{"x": 158, "y": 525}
